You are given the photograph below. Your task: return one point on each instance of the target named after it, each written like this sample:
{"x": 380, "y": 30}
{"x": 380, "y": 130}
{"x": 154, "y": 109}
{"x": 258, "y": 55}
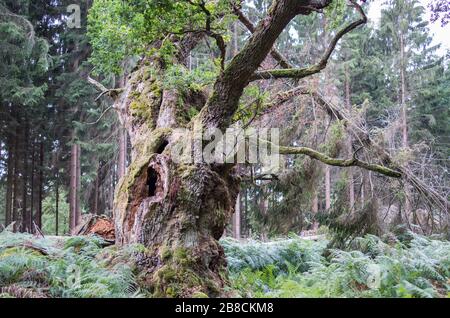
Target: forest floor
{"x": 81, "y": 266}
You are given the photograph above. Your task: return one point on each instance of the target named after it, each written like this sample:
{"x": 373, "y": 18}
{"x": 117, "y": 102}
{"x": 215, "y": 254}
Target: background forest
{"x": 312, "y": 230}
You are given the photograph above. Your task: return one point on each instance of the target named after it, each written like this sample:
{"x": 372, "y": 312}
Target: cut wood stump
{"x": 100, "y": 225}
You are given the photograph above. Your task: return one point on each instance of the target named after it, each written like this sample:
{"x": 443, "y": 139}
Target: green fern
{"x": 61, "y": 268}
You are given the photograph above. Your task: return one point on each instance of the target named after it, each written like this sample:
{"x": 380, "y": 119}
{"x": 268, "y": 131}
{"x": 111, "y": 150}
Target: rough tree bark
{"x": 122, "y": 161}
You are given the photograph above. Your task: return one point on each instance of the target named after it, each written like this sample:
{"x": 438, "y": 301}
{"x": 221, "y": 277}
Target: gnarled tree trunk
{"x": 178, "y": 211}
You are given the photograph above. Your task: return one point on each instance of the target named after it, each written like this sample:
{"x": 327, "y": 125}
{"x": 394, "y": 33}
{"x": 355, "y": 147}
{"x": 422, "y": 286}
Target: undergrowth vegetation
{"x": 55, "y": 267}
{"x": 408, "y": 266}
{"x": 416, "y": 267}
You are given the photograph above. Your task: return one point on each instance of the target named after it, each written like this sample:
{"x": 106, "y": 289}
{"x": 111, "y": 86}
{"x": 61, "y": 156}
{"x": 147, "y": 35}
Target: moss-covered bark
{"x": 178, "y": 212}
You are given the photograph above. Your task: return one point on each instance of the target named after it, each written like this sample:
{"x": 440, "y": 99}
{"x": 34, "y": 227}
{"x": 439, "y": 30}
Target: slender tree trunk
{"x": 351, "y": 187}
{"x": 363, "y": 188}
{"x": 73, "y": 188}
{"x": 15, "y": 199}
{"x": 32, "y": 185}
{"x": 20, "y": 181}
{"x": 96, "y": 191}
{"x": 78, "y": 187}
{"x": 38, "y": 218}
{"x": 236, "y": 224}
{"x": 9, "y": 180}
{"x": 25, "y": 212}
{"x": 237, "y": 219}
{"x": 327, "y": 187}
{"x": 407, "y": 203}
{"x": 315, "y": 209}
{"x": 56, "y": 188}
{"x": 56, "y": 204}
{"x": 245, "y": 216}
{"x": 403, "y": 93}
{"x": 122, "y": 162}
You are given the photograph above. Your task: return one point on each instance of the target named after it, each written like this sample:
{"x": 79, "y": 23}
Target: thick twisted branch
{"x": 339, "y": 162}
{"x": 277, "y": 56}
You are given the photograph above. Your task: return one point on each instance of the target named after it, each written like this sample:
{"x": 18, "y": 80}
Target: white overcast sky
{"x": 440, "y": 34}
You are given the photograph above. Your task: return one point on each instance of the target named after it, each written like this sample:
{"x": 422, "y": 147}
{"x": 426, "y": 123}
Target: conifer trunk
{"x": 25, "y": 212}
{"x": 73, "y": 188}
{"x": 56, "y": 206}
{"x": 38, "y": 217}
{"x": 16, "y": 194}
{"x": 9, "y": 180}
{"x": 237, "y": 219}
{"x": 32, "y": 185}
{"x": 404, "y": 121}
{"x": 327, "y": 187}
{"x": 351, "y": 187}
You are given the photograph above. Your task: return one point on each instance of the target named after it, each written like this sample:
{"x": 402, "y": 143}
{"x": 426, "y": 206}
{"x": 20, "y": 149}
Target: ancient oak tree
{"x": 178, "y": 210}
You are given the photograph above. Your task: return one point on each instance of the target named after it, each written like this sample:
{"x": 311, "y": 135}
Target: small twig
{"x": 113, "y": 92}
{"x": 356, "y": 152}
{"x": 101, "y": 116}
{"x": 38, "y": 230}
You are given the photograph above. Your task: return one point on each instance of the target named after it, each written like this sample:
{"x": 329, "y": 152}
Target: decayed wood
{"x": 100, "y": 225}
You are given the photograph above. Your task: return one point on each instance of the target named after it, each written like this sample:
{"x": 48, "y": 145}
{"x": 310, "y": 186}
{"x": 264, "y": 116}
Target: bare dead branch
{"x": 220, "y": 42}
{"x": 113, "y": 93}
